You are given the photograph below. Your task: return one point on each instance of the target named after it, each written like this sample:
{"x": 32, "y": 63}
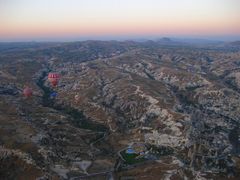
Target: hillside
{"x": 144, "y": 110}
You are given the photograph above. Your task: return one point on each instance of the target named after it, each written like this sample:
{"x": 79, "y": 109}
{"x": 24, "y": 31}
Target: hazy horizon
{"x": 122, "y": 38}
{"x": 73, "y": 20}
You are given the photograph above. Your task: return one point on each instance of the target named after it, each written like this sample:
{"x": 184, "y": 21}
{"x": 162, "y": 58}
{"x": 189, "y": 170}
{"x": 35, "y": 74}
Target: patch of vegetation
{"x": 80, "y": 120}
{"x": 160, "y": 150}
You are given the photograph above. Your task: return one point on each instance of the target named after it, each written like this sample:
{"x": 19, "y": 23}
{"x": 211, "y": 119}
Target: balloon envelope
{"x": 27, "y": 92}
{"x": 54, "y": 82}
{"x": 53, "y": 78}
{"x": 53, "y": 95}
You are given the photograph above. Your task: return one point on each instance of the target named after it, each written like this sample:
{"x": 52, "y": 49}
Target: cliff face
{"x": 182, "y": 103}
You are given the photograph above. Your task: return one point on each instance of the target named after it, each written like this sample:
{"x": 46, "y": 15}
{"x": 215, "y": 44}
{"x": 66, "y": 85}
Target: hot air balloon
{"x": 54, "y": 82}
{"x": 53, "y": 78}
{"x": 53, "y": 95}
{"x": 27, "y": 92}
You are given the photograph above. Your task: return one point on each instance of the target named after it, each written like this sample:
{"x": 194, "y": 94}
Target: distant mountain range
{"x": 170, "y": 40}
{"x": 235, "y": 43}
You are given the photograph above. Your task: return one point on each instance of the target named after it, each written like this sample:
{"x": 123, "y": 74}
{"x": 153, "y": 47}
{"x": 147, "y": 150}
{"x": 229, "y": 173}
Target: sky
{"x": 89, "y": 19}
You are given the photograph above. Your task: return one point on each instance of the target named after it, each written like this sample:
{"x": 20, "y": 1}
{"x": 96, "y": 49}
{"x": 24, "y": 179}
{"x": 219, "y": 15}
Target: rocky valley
{"x": 123, "y": 110}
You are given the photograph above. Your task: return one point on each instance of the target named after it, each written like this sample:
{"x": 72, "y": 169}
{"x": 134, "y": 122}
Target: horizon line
{"x": 224, "y": 38}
